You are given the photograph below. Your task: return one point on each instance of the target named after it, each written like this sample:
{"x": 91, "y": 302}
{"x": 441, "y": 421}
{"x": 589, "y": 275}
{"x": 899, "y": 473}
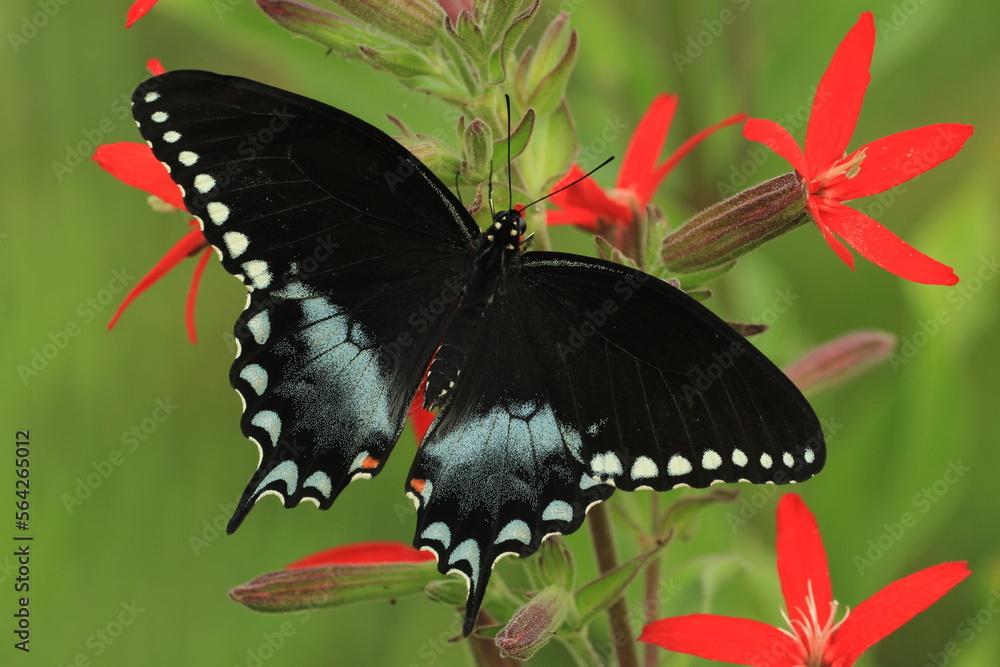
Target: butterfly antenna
{"x": 569, "y": 185}
{"x": 510, "y": 184}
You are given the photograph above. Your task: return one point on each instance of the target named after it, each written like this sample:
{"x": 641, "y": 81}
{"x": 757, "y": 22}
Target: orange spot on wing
{"x": 418, "y": 485}
{"x": 369, "y": 463}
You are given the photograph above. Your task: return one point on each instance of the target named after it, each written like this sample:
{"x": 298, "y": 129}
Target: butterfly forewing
{"x": 354, "y": 256}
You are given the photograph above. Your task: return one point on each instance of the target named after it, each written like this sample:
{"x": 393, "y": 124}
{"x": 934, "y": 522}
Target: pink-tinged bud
{"x": 841, "y": 359}
{"x": 336, "y": 33}
{"x": 334, "y": 585}
{"x": 728, "y": 230}
{"x": 533, "y": 625}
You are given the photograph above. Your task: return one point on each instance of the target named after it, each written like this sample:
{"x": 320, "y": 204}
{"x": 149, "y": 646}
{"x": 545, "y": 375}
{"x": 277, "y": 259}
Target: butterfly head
{"x": 506, "y": 230}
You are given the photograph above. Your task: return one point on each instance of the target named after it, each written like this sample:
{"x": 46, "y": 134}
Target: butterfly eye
{"x": 521, "y": 225}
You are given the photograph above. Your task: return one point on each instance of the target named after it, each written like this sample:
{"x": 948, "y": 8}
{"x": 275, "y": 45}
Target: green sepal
{"x": 404, "y": 63}
{"x": 551, "y": 151}
{"x": 602, "y": 592}
{"x": 552, "y": 565}
{"x": 519, "y": 138}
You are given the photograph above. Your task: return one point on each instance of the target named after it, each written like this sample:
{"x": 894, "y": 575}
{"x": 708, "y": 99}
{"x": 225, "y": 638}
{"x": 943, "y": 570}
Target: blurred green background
{"x": 129, "y": 528}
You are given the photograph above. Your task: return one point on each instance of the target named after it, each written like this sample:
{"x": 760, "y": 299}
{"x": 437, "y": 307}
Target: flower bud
{"x": 478, "y": 150}
{"x": 334, "y": 585}
{"x": 334, "y": 32}
{"x": 550, "y": 67}
{"x": 451, "y": 591}
{"x": 553, "y": 565}
{"x": 533, "y": 625}
{"x": 411, "y": 22}
{"x": 841, "y": 359}
{"x": 728, "y": 230}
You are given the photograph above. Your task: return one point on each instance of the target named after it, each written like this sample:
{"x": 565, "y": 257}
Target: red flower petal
{"x": 155, "y": 67}
{"x": 590, "y": 197}
{"x": 134, "y": 164}
{"x": 137, "y": 11}
{"x": 725, "y": 639}
{"x": 899, "y": 157}
{"x": 883, "y": 613}
{"x": 581, "y": 217}
{"x": 192, "y": 296}
{"x": 363, "y": 553}
{"x": 802, "y": 565}
{"x": 775, "y": 137}
{"x": 645, "y": 147}
{"x": 838, "y": 99}
{"x": 842, "y": 252}
{"x": 882, "y": 247}
{"x": 189, "y": 244}
{"x": 646, "y": 190}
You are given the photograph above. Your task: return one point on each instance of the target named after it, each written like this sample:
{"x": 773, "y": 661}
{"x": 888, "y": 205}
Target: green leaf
{"x": 402, "y": 62}
{"x": 518, "y": 139}
{"x": 602, "y": 592}
{"x": 549, "y": 91}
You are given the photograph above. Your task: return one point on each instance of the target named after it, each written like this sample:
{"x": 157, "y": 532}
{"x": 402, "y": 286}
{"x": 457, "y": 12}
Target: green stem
{"x": 583, "y": 652}
{"x": 607, "y": 560}
{"x": 484, "y": 651}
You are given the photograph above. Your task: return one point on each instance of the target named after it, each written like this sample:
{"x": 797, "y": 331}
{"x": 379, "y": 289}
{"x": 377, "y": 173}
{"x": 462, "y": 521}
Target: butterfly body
{"x": 557, "y": 378}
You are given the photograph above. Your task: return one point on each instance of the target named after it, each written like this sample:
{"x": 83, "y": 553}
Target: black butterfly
{"x": 557, "y": 377}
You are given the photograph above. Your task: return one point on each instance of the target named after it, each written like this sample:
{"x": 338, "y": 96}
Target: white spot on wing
{"x": 558, "y": 510}
{"x": 469, "y": 552}
{"x": 286, "y": 471}
{"x": 270, "y": 422}
{"x": 438, "y": 531}
{"x": 218, "y": 212}
{"x": 765, "y": 460}
{"x": 516, "y": 530}
{"x": 171, "y": 136}
{"x": 788, "y": 459}
{"x": 152, "y": 96}
{"x": 710, "y": 460}
{"x": 236, "y": 243}
{"x": 256, "y": 376}
{"x": 320, "y": 481}
{"x": 809, "y": 456}
{"x": 644, "y": 467}
{"x": 160, "y": 116}
{"x": 258, "y": 273}
{"x": 203, "y": 183}
{"x": 187, "y": 158}
{"x": 607, "y": 463}
{"x": 678, "y": 465}
{"x": 739, "y": 458}
{"x": 260, "y": 327}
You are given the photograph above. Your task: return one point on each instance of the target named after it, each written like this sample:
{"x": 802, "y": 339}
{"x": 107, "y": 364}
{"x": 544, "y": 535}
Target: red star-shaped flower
{"x": 833, "y": 176}
{"x": 137, "y": 11}
{"x": 814, "y": 639}
{"x": 134, "y": 164}
{"x": 611, "y": 213}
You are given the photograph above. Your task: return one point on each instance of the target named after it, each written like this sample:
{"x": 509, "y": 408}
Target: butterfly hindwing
{"x": 354, "y": 256}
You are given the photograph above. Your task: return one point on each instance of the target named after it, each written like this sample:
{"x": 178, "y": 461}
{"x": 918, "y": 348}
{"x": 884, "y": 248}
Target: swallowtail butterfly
{"x": 557, "y": 378}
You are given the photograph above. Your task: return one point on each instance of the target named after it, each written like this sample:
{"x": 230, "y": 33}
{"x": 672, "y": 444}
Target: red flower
{"x": 814, "y": 640}
{"x": 589, "y": 207}
{"x": 833, "y": 176}
{"x": 364, "y": 553}
{"x": 135, "y": 165}
{"x": 137, "y": 11}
